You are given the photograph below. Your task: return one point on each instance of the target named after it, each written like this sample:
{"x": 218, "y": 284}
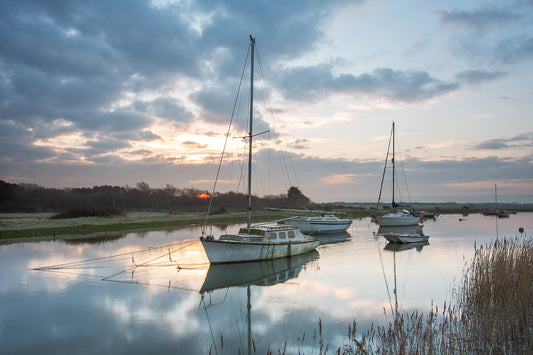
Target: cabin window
{"x": 271, "y": 235}
{"x": 253, "y": 231}
{"x": 291, "y": 234}
{"x": 282, "y": 235}
{"x": 235, "y": 238}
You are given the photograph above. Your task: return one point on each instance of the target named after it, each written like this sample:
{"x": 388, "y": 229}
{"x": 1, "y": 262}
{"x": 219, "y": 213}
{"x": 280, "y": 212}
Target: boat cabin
{"x": 271, "y": 234}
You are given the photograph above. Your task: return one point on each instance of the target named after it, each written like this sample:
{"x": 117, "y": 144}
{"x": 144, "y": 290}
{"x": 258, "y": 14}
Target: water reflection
{"x": 151, "y": 299}
{"x": 334, "y": 238}
{"x": 405, "y": 246}
{"x": 258, "y": 273}
{"x": 395, "y": 248}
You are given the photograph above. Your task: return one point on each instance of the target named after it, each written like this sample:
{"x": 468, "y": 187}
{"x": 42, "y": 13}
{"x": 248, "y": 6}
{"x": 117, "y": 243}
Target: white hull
{"x": 406, "y": 238}
{"x": 224, "y": 251}
{"x": 397, "y": 219}
{"x": 321, "y": 225}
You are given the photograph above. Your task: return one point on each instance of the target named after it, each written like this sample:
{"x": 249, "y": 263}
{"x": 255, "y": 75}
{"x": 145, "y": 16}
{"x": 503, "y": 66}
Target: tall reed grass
{"x": 491, "y": 313}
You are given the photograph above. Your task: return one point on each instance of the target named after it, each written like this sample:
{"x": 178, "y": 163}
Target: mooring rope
{"x": 72, "y": 263}
{"x": 147, "y": 262}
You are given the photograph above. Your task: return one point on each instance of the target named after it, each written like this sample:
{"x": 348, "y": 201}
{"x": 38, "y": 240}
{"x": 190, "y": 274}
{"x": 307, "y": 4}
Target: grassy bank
{"x": 28, "y": 226}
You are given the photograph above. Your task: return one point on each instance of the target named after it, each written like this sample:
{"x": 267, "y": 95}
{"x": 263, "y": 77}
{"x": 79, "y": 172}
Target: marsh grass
{"x": 31, "y": 226}
{"x": 491, "y": 311}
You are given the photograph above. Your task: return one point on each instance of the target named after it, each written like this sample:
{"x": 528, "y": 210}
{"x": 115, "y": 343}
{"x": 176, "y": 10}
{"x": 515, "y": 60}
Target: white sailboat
{"x": 495, "y": 211}
{"x": 260, "y": 241}
{"x": 323, "y": 222}
{"x": 402, "y": 217}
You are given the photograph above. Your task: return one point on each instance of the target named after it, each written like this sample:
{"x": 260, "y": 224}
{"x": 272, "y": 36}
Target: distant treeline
{"x": 35, "y": 198}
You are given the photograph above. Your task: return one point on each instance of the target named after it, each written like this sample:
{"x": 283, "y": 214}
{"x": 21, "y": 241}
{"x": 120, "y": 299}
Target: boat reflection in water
{"x": 405, "y": 246}
{"x": 254, "y": 273}
{"x": 335, "y": 238}
{"x": 394, "y": 248}
{"x": 258, "y": 273}
{"x": 396, "y": 229}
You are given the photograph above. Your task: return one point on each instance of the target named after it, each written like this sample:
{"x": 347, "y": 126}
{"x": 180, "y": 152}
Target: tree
{"x": 297, "y": 198}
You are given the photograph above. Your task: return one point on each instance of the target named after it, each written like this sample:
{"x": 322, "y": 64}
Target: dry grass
{"x": 496, "y": 297}
{"x": 491, "y": 313}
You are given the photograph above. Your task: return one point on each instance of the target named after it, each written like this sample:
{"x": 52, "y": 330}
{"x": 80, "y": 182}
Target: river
{"x": 154, "y": 293}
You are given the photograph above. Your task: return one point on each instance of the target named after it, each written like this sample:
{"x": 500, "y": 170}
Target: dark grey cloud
{"x": 477, "y": 19}
{"x": 513, "y": 49}
{"x": 478, "y": 76}
{"x": 314, "y": 82}
{"x": 72, "y": 61}
{"x": 495, "y": 36}
{"x": 524, "y": 140}
{"x": 167, "y": 108}
{"x": 301, "y": 143}
{"x": 16, "y": 145}
{"x": 148, "y": 136}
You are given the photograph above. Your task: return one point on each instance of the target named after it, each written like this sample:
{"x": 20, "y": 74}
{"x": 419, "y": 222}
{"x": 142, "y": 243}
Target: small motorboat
{"x": 416, "y": 237}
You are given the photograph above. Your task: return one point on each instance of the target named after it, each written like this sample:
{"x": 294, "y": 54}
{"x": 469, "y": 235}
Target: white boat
{"x": 495, "y": 211}
{"x": 403, "y": 234}
{"x": 403, "y": 217}
{"x": 399, "y": 218}
{"x": 256, "y": 242}
{"x": 325, "y": 223}
{"x": 406, "y": 238}
{"x": 320, "y": 224}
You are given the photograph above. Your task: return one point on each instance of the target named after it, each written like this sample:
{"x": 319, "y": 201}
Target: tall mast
{"x": 252, "y": 43}
{"x": 393, "y": 176}
{"x": 495, "y": 196}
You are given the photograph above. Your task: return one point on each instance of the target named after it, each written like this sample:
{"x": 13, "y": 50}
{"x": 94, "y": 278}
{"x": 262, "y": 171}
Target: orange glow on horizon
{"x": 203, "y": 196}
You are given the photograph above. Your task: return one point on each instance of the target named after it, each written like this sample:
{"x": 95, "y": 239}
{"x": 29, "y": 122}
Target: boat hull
{"x": 397, "y": 219}
{"x": 321, "y": 227}
{"x": 406, "y": 238}
{"x": 223, "y": 251}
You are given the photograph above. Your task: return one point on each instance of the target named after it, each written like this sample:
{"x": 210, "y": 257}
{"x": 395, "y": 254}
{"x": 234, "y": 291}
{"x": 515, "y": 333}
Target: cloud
{"x": 514, "y": 49}
{"x": 521, "y": 141}
{"x": 478, "y": 76}
{"x": 477, "y": 19}
{"x": 301, "y": 143}
{"x": 190, "y": 145}
{"x": 316, "y": 82}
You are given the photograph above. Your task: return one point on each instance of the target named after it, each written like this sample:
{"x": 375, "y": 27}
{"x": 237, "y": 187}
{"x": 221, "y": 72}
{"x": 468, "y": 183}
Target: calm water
{"x": 128, "y": 296}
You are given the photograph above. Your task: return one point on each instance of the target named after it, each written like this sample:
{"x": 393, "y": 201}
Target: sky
{"x": 121, "y": 92}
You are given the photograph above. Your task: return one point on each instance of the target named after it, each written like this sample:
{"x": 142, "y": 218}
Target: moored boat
{"x": 403, "y": 217}
{"x": 256, "y": 242}
{"x": 399, "y": 218}
{"x": 319, "y": 224}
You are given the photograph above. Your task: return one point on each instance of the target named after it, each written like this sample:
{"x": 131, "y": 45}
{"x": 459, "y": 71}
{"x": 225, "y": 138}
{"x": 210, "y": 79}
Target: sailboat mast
{"x": 393, "y": 164}
{"x": 252, "y": 43}
{"x": 495, "y": 196}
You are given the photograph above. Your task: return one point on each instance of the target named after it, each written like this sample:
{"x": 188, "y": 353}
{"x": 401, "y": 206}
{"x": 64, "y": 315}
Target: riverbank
{"x": 19, "y": 227}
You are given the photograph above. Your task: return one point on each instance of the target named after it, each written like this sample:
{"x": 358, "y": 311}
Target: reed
{"x": 490, "y": 313}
